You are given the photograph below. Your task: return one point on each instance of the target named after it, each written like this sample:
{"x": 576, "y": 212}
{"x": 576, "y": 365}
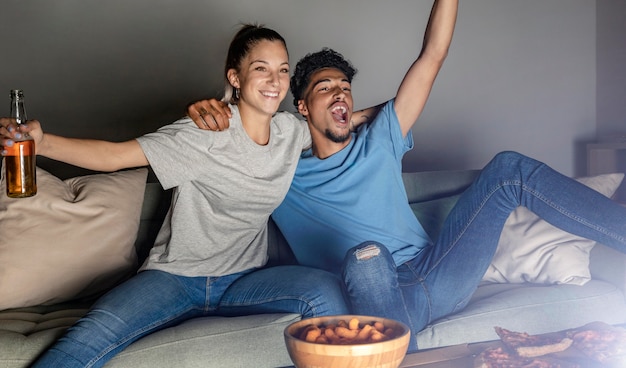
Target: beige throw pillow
{"x": 75, "y": 238}
{"x": 531, "y": 250}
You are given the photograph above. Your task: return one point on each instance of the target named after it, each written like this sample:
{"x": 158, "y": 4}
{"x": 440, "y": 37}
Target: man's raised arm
{"x": 418, "y": 81}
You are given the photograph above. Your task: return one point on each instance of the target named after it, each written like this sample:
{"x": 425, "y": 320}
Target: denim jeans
{"x": 441, "y": 279}
{"x": 154, "y": 300}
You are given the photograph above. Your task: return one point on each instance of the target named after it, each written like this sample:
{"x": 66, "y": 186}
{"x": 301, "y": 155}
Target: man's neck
{"x": 323, "y": 147}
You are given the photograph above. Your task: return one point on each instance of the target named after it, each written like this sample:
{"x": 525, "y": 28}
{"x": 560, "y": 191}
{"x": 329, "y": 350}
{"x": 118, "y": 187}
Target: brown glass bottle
{"x": 19, "y": 161}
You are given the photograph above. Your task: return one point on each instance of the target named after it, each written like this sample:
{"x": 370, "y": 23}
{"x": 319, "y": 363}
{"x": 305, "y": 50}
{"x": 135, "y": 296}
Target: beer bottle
{"x": 19, "y": 162}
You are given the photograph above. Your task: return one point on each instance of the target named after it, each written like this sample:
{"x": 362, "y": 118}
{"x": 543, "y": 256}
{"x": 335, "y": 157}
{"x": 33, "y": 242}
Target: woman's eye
{"x": 285, "y": 71}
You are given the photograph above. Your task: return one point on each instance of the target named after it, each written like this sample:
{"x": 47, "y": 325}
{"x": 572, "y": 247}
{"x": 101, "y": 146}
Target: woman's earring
{"x": 236, "y": 93}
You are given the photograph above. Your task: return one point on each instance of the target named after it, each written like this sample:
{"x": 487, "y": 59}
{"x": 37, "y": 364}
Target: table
{"x": 455, "y": 356}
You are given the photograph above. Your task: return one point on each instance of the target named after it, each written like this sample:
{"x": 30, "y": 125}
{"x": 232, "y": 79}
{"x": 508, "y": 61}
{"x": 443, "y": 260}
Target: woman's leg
{"x": 150, "y": 301}
{"x": 285, "y": 289}
{"x": 443, "y": 277}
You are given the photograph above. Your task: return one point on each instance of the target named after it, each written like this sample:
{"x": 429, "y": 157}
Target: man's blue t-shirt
{"x": 353, "y": 196}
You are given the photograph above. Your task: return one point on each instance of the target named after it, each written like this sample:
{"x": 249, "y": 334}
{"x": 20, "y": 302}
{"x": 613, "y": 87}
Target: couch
{"x": 257, "y": 340}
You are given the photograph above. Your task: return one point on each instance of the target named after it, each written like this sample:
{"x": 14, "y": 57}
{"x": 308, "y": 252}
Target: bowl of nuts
{"x": 347, "y": 341}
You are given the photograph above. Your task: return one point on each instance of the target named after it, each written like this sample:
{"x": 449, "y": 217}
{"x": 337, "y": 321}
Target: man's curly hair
{"x": 326, "y": 58}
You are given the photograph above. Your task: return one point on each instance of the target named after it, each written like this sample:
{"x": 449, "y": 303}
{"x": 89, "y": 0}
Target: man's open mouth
{"x": 340, "y": 113}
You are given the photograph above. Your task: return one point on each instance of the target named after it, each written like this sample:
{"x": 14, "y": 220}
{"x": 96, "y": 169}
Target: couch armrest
{"x": 609, "y": 265}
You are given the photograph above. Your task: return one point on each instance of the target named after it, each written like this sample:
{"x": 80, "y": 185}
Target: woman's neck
{"x": 256, "y": 124}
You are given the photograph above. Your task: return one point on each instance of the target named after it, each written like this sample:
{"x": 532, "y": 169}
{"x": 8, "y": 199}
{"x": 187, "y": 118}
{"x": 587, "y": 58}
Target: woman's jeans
{"x": 154, "y": 300}
{"x": 441, "y": 279}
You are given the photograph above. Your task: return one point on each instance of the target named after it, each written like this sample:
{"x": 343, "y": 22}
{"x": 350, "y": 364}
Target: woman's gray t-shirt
{"x": 225, "y": 188}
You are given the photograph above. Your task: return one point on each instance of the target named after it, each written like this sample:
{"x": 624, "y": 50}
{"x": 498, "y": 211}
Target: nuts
{"x": 346, "y": 333}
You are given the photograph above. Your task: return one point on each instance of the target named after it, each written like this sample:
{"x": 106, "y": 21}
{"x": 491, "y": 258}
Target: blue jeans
{"x": 154, "y": 300}
{"x": 441, "y": 279}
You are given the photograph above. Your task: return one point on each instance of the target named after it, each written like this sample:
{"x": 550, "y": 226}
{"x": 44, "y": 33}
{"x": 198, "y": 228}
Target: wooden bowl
{"x": 384, "y": 354}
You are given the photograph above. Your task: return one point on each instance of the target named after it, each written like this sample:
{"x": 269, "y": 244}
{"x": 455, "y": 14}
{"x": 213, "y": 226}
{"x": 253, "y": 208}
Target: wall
{"x": 520, "y": 74}
{"x": 611, "y": 59}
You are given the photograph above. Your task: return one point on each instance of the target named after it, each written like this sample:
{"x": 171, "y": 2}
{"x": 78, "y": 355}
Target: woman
{"x": 226, "y": 184}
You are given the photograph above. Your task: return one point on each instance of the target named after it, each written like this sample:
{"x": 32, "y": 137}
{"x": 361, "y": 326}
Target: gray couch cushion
{"x": 247, "y": 341}
{"x": 26, "y": 332}
{"x": 530, "y": 308}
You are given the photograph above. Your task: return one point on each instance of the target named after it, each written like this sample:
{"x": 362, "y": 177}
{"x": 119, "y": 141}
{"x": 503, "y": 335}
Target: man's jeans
{"x": 154, "y": 300}
{"x": 441, "y": 279}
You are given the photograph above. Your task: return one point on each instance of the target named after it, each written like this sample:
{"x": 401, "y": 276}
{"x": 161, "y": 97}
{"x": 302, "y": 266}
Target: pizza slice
{"x": 530, "y": 346}
{"x": 498, "y": 357}
{"x": 605, "y": 344}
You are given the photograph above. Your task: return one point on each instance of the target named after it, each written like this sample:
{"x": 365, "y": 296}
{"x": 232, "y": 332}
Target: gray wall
{"x": 521, "y": 75}
{"x": 611, "y": 103}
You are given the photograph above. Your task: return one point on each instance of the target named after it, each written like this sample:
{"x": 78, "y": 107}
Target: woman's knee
{"x": 322, "y": 294}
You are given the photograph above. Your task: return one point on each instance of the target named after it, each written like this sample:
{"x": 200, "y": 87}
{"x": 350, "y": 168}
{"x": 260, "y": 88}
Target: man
{"x": 347, "y": 211}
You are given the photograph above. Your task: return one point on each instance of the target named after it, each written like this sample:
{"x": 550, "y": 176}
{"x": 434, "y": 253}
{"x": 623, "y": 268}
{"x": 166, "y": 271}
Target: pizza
{"x": 499, "y": 357}
{"x": 605, "y": 344}
{"x": 529, "y": 346}
{"x": 595, "y": 344}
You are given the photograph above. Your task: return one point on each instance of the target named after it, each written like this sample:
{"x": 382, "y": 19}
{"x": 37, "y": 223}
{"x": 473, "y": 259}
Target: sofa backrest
{"x": 156, "y": 202}
{"x": 432, "y": 194}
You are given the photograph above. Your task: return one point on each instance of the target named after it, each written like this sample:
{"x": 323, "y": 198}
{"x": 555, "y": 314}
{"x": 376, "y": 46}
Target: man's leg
{"x": 372, "y": 287}
{"x": 285, "y": 289}
{"x": 451, "y": 269}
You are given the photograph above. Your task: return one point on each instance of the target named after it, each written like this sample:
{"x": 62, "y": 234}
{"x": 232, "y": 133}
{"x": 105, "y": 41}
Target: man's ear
{"x": 233, "y": 78}
{"x": 302, "y": 109}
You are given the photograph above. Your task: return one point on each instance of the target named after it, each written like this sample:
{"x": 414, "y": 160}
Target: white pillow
{"x": 74, "y": 238}
{"x": 531, "y": 250}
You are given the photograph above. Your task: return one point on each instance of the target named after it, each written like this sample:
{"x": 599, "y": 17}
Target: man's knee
{"x": 508, "y": 158}
{"x": 370, "y": 250}
{"x": 513, "y": 160}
